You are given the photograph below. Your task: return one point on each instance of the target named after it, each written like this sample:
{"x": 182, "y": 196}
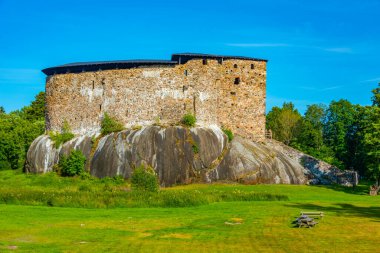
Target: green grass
{"x": 52, "y": 190}
{"x": 351, "y": 222}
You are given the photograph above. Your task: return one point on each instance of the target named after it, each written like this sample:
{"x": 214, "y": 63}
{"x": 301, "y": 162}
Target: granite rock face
{"x": 177, "y": 154}
{"x": 252, "y": 163}
{"x": 42, "y": 154}
{"x": 180, "y": 156}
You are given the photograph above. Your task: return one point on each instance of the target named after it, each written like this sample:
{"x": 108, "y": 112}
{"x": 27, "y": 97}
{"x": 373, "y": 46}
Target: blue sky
{"x": 318, "y": 51}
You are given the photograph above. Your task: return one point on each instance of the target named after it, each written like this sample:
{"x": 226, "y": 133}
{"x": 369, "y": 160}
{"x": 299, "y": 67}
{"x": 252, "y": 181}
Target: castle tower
{"x": 226, "y": 91}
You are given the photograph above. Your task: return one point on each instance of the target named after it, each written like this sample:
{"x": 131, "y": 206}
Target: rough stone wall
{"x": 141, "y": 96}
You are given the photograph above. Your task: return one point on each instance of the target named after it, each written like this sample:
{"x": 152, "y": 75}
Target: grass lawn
{"x": 351, "y": 222}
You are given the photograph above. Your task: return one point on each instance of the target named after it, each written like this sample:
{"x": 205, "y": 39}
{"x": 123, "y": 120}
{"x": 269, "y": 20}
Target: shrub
{"x": 144, "y": 179}
{"x": 73, "y": 164}
{"x": 195, "y": 148}
{"x": 229, "y": 134}
{"x": 110, "y": 125}
{"x": 189, "y": 120}
{"x": 64, "y": 136}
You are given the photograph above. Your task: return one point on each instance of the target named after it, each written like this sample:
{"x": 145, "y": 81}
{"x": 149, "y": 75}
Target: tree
{"x": 2, "y": 110}
{"x": 36, "y": 110}
{"x": 376, "y": 96}
{"x": 17, "y": 131}
{"x": 339, "y": 128}
{"x": 311, "y": 130}
{"x": 372, "y": 142}
{"x": 284, "y": 122}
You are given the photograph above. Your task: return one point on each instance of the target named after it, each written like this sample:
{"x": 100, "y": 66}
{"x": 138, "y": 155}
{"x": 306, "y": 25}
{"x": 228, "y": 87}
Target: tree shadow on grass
{"x": 342, "y": 209}
{"x": 361, "y": 189}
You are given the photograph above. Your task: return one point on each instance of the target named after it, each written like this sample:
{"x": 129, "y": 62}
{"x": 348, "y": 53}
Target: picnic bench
{"x": 306, "y": 219}
{"x": 313, "y": 214}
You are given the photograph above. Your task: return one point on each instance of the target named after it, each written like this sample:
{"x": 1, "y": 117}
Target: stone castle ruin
{"x": 221, "y": 91}
{"x": 226, "y": 91}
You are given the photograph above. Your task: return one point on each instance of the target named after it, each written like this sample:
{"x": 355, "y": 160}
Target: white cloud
{"x": 377, "y": 79}
{"x": 320, "y": 89}
{"x": 344, "y": 50}
{"x": 258, "y": 45}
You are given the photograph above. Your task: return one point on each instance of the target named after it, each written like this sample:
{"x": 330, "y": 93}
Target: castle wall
{"x": 141, "y": 96}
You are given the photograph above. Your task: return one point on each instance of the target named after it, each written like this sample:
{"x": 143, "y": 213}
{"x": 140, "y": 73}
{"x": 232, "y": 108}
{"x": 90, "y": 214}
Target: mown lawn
{"x": 351, "y": 222}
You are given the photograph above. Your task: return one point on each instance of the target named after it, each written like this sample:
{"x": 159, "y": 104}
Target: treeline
{"x": 18, "y": 129}
{"x": 342, "y": 134}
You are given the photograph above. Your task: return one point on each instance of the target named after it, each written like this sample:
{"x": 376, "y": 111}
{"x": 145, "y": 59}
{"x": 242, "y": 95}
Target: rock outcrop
{"x": 180, "y": 155}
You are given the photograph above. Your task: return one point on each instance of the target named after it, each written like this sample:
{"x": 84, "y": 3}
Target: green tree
{"x": 372, "y": 142}
{"x": 284, "y": 122}
{"x": 376, "y": 96}
{"x": 338, "y": 128}
{"x": 16, "y": 135}
{"x": 2, "y": 110}
{"x": 36, "y": 110}
{"x": 17, "y": 131}
{"x": 311, "y": 130}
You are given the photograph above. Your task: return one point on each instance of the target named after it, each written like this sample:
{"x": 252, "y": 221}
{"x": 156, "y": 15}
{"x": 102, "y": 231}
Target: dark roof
{"x": 78, "y": 67}
{"x": 182, "y": 58}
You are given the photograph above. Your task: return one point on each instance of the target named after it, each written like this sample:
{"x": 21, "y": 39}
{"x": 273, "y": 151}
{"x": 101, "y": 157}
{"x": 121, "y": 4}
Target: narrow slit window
{"x": 252, "y": 66}
{"x": 185, "y": 72}
{"x": 204, "y": 61}
{"x": 100, "y": 107}
{"x": 237, "y": 80}
{"x": 220, "y": 61}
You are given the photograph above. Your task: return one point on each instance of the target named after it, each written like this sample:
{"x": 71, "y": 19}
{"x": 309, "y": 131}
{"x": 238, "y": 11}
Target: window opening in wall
{"x": 93, "y": 84}
{"x": 252, "y": 66}
{"x": 233, "y": 93}
{"x": 204, "y": 61}
{"x": 185, "y": 72}
{"x": 194, "y": 109}
{"x": 235, "y": 66}
{"x": 237, "y": 80}
{"x": 220, "y": 61}
{"x": 100, "y": 107}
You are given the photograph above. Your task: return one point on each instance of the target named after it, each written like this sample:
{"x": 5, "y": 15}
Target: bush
{"x": 195, "y": 148}
{"x": 229, "y": 134}
{"x": 110, "y": 125}
{"x": 189, "y": 120}
{"x": 73, "y": 164}
{"x": 144, "y": 179}
{"x": 64, "y": 136}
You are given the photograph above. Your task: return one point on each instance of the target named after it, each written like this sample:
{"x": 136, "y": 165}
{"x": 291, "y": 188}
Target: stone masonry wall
{"x": 229, "y": 93}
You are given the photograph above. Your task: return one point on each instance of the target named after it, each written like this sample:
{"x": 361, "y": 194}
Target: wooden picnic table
{"x": 305, "y": 221}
